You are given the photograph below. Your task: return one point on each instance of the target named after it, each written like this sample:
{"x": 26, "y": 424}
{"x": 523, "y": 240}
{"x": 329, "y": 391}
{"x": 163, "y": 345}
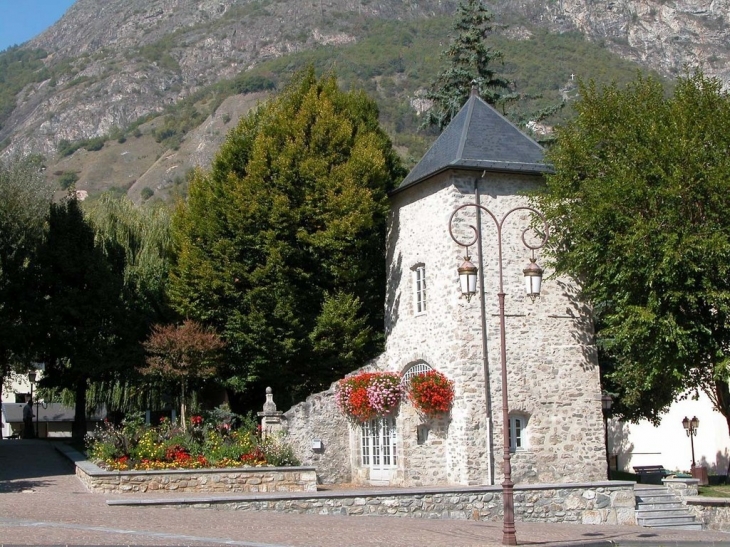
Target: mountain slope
{"x": 109, "y": 66}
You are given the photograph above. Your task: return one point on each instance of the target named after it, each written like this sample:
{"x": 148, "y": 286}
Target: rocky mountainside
{"x": 113, "y": 62}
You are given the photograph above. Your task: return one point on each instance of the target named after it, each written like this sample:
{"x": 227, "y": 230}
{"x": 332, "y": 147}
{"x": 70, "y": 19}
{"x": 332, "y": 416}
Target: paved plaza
{"x": 42, "y": 503}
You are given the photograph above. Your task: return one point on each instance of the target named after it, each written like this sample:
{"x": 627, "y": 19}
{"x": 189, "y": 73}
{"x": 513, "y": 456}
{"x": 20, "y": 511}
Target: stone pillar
{"x": 271, "y": 419}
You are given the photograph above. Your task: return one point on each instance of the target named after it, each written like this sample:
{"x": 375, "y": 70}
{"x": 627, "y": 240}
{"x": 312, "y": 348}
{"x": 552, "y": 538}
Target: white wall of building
{"x": 667, "y": 444}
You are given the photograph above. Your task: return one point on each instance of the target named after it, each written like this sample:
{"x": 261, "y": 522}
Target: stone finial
{"x": 269, "y": 405}
{"x": 271, "y": 419}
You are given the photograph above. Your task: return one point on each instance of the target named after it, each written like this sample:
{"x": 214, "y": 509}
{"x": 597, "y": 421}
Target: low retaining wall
{"x": 590, "y": 503}
{"x": 240, "y": 479}
{"x": 243, "y": 479}
{"x": 713, "y": 512}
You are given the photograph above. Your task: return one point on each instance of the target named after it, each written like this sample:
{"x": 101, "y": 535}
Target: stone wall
{"x": 714, "y": 513}
{"x": 318, "y": 418}
{"x": 604, "y": 503}
{"x": 248, "y": 479}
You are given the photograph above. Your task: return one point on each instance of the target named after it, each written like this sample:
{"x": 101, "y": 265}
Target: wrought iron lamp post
{"x": 606, "y": 404}
{"x": 691, "y": 427}
{"x": 31, "y": 378}
{"x": 468, "y": 281}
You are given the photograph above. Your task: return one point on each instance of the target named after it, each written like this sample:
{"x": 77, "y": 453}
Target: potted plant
{"x": 364, "y": 396}
{"x": 432, "y": 393}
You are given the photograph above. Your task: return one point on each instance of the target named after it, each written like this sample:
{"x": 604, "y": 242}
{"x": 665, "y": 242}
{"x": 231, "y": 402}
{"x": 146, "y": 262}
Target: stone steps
{"x": 658, "y": 507}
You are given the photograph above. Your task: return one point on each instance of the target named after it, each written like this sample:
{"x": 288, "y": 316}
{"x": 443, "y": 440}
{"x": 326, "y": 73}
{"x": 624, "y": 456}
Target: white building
{"x": 668, "y": 444}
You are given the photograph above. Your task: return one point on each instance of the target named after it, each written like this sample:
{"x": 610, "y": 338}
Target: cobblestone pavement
{"x": 42, "y": 503}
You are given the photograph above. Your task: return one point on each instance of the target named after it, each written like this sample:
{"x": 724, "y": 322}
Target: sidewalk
{"x": 42, "y": 503}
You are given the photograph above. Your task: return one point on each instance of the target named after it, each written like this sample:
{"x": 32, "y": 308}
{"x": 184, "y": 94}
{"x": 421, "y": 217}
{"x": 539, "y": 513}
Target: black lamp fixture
{"x": 691, "y": 427}
{"x": 468, "y": 278}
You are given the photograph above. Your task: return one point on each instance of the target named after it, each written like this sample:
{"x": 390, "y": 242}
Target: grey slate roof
{"x": 479, "y": 138}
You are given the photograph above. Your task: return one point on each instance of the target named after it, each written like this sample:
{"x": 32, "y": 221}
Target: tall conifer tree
{"x": 281, "y": 245}
{"x": 469, "y": 62}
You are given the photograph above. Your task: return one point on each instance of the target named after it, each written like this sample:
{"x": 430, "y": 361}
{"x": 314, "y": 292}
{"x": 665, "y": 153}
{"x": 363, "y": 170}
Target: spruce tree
{"x": 469, "y": 62}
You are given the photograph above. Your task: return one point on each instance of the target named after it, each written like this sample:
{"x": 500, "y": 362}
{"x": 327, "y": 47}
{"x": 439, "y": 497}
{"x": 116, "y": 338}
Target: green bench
{"x": 651, "y": 474}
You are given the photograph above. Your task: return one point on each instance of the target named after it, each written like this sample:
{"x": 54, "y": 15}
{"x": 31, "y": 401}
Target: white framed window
{"x": 378, "y": 446}
{"x": 517, "y": 434}
{"x": 419, "y": 288}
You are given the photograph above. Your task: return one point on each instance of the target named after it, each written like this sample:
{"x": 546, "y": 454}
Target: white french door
{"x": 378, "y": 449}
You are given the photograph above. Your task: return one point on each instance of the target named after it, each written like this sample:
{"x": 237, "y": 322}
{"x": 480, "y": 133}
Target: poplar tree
{"x": 280, "y": 246}
{"x": 79, "y": 307}
{"x": 469, "y": 62}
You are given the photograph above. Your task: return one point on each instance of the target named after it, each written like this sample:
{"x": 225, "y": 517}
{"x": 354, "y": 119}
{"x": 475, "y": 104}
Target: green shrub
{"x": 67, "y": 179}
{"x": 147, "y": 193}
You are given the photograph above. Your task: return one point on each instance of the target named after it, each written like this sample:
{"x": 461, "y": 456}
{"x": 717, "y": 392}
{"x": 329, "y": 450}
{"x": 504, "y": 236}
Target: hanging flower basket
{"x": 432, "y": 393}
{"x": 369, "y": 394}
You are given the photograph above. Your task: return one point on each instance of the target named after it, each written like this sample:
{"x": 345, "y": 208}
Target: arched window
{"x": 416, "y": 368}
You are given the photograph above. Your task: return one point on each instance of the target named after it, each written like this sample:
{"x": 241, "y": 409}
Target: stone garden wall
{"x": 598, "y": 503}
{"x": 714, "y": 513}
{"x": 247, "y": 479}
{"x": 319, "y": 419}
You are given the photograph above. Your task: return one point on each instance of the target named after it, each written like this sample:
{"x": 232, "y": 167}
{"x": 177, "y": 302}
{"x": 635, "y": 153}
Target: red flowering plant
{"x": 369, "y": 394}
{"x": 431, "y": 393}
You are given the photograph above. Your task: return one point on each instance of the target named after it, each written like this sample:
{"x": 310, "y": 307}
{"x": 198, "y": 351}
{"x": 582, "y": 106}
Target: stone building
{"x": 553, "y": 381}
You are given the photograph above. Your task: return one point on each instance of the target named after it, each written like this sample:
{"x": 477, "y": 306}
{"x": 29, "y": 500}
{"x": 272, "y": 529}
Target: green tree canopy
{"x": 469, "y": 62}
{"x": 79, "y": 305}
{"x": 143, "y": 235}
{"x": 24, "y": 200}
{"x": 639, "y": 207}
{"x": 293, "y": 210}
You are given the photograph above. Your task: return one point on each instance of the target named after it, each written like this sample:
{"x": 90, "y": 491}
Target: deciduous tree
{"x": 639, "y": 207}
{"x": 182, "y": 354}
{"x": 143, "y": 234}
{"x": 25, "y": 197}
{"x": 79, "y": 306}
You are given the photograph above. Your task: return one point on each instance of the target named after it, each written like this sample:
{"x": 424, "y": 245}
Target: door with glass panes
{"x": 378, "y": 450}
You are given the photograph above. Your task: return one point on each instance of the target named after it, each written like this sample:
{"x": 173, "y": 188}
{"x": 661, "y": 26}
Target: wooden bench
{"x": 651, "y": 474}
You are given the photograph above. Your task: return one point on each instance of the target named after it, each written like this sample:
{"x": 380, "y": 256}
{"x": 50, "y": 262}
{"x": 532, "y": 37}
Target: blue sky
{"x": 21, "y": 20}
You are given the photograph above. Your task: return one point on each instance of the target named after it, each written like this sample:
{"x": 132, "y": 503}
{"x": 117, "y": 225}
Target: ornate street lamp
{"x": 606, "y": 404}
{"x": 468, "y": 282}
{"x": 31, "y": 379}
{"x": 691, "y": 427}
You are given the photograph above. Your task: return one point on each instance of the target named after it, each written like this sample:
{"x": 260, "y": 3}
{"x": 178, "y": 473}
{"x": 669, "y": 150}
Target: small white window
{"x": 517, "y": 437}
{"x": 419, "y": 286}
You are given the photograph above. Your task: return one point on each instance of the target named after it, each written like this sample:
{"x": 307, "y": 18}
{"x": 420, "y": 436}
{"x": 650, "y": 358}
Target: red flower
{"x": 431, "y": 393}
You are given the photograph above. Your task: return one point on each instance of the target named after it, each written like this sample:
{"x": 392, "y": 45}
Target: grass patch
{"x": 716, "y": 491}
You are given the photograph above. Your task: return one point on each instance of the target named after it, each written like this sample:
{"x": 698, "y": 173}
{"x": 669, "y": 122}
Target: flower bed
{"x": 213, "y": 441}
{"x": 369, "y": 394}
